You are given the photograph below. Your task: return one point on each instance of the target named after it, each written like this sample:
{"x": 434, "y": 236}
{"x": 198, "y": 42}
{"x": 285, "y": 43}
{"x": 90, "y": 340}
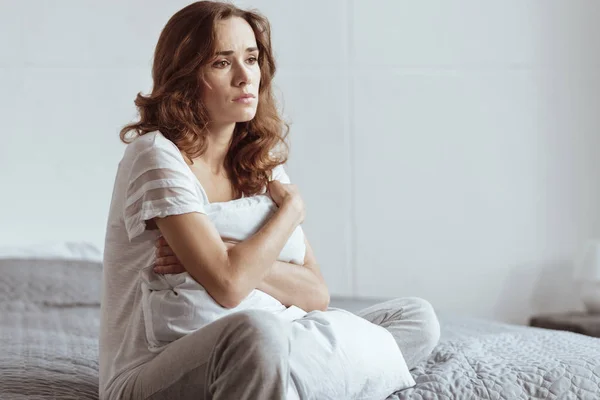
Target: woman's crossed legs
{"x": 257, "y": 355}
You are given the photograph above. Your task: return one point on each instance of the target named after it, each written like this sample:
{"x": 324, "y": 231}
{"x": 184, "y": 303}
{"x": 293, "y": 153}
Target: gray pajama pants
{"x": 247, "y": 355}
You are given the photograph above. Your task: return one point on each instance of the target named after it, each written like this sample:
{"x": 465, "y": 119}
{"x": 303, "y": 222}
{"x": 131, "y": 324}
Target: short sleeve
{"x": 158, "y": 186}
{"x": 280, "y": 175}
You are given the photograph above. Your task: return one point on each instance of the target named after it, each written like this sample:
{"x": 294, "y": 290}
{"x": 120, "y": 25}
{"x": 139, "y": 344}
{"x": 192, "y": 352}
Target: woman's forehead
{"x": 234, "y": 34}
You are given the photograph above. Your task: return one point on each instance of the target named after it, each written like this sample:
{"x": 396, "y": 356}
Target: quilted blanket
{"x": 52, "y": 353}
{"x": 48, "y": 354}
{"x": 479, "y": 359}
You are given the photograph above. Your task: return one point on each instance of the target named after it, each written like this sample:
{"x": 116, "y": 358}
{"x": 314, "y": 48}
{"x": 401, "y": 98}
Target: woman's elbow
{"x": 225, "y": 286}
{"x": 228, "y": 300}
{"x": 324, "y": 296}
{"x": 318, "y": 301}
{"x": 228, "y": 294}
{"x": 323, "y": 303}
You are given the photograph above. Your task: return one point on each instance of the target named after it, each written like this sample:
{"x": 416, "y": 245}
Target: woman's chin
{"x": 247, "y": 116}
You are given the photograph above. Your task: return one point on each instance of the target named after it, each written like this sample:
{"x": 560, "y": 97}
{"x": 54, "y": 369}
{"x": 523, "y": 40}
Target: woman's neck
{"x": 218, "y": 141}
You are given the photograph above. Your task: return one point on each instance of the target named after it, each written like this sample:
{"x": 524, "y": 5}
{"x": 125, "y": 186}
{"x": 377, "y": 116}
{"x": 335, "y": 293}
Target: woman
{"x": 206, "y": 138}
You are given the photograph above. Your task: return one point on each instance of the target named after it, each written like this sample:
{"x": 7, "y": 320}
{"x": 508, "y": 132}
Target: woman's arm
{"x": 299, "y": 285}
{"x": 291, "y": 284}
{"x": 230, "y": 274}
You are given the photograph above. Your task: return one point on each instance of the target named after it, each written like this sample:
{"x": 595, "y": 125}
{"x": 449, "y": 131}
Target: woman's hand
{"x": 288, "y": 195}
{"x": 166, "y": 260}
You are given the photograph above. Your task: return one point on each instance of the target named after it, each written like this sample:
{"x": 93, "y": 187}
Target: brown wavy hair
{"x": 174, "y": 107}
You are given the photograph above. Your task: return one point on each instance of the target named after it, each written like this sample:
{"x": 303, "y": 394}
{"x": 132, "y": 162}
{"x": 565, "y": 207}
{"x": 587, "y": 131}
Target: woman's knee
{"x": 252, "y": 347}
{"x": 262, "y": 334}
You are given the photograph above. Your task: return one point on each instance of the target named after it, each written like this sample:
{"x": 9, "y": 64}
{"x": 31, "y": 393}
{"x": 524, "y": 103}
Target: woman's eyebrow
{"x": 230, "y": 52}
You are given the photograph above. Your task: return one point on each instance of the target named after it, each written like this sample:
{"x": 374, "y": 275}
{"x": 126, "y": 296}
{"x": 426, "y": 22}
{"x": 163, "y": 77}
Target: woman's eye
{"x": 221, "y": 64}
{"x": 252, "y": 60}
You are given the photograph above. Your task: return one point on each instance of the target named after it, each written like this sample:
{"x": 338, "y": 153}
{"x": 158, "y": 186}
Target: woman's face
{"x": 232, "y": 73}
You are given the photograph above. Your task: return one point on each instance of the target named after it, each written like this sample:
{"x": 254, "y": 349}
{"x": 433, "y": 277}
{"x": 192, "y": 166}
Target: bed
{"x": 49, "y": 323}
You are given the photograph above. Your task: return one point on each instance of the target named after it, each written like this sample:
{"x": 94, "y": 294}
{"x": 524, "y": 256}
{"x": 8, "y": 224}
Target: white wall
{"x": 444, "y": 149}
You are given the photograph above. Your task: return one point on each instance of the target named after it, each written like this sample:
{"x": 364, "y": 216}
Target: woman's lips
{"x": 244, "y": 100}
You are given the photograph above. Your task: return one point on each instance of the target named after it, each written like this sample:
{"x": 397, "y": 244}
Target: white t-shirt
{"x": 153, "y": 180}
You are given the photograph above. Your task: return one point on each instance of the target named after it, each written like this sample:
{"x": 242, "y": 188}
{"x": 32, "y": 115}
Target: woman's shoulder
{"x": 149, "y": 141}
{"x": 152, "y": 144}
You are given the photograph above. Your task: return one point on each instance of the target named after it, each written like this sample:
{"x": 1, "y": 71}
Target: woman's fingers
{"x": 168, "y": 260}
{"x": 276, "y": 191}
{"x": 164, "y": 251}
{"x": 168, "y": 265}
{"x": 161, "y": 241}
{"x": 169, "y": 269}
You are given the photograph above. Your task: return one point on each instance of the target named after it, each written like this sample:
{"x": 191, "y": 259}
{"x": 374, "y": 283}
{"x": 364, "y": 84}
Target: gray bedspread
{"x": 49, "y": 324}
{"x": 48, "y": 354}
{"x": 479, "y": 359}
{"x": 52, "y": 354}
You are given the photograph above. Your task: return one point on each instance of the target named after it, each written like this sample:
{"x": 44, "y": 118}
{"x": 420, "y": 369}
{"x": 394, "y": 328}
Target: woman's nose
{"x": 243, "y": 76}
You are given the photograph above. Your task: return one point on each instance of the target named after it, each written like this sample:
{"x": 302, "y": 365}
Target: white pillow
{"x": 239, "y": 219}
{"x": 53, "y": 251}
{"x": 176, "y": 305}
